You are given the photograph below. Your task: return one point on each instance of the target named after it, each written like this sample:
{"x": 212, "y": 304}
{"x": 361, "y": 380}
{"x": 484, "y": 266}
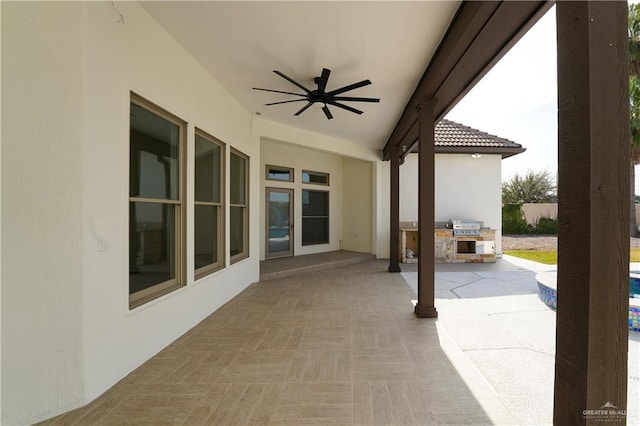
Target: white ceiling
{"x": 241, "y": 43}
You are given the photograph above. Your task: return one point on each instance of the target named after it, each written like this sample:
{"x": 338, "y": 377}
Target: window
{"x": 156, "y": 252}
{"x": 208, "y": 235}
{"x": 283, "y": 174}
{"x": 317, "y": 178}
{"x": 315, "y": 217}
{"x": 238, "y": 208}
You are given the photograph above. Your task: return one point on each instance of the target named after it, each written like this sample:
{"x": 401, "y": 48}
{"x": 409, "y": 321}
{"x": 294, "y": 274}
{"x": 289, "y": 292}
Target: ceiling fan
{"x": 321, "y": 96}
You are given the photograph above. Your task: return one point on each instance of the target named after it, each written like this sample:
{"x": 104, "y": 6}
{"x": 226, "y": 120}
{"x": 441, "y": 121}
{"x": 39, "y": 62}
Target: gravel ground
{"x": 539, "y": 242}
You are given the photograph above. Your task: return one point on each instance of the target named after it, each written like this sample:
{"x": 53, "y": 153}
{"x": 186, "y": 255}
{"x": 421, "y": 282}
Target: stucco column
{"x": 593, "y": 213}
{"x": 394, "y": 201}
{"x": 425, "y": 308}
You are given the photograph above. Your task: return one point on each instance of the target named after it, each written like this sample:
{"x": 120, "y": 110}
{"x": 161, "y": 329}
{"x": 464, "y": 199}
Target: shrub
{"x": 513, "y": 221}
{"x": 546, "y": 225}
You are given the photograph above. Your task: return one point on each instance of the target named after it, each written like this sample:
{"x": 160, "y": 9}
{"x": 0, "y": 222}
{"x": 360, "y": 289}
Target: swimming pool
{"x": 634, "y": 285}
{"x": 547, "y": 285}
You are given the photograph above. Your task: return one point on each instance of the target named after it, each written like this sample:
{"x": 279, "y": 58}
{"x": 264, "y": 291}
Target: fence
{"x": 534, "y": 211}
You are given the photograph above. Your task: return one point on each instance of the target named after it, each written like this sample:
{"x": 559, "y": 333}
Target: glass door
{"x": 279, "y": 232}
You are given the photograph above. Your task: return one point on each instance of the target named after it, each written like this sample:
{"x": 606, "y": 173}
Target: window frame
{"x": 151, "y": 293}
{"x": 220, "y": 243}
{"x": 327, "y": 217}
{"x": 245, "y": 217}
{"x": 315, "y": 173}
{"x": 267, "y": 167}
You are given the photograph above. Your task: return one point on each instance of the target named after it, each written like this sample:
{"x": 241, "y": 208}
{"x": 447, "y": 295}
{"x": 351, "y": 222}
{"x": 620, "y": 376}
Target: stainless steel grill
{"x": 466, "y": 227}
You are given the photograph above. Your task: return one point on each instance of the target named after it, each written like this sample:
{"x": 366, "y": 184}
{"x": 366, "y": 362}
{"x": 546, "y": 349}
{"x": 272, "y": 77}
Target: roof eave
{"x": 505, "y": 152}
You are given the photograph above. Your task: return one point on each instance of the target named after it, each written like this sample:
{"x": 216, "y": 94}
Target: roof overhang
{"x": 504, "y": 152}
{"x": 477, "y": 38}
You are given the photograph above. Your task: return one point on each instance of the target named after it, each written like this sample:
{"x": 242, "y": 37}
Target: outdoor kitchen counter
{"x": 450, "y": 249}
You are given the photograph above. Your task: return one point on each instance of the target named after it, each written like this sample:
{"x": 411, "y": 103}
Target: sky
{"x": 517, "y": 100}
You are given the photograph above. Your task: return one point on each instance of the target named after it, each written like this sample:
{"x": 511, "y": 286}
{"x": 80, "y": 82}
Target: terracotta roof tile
{"x": 451, "y": 134}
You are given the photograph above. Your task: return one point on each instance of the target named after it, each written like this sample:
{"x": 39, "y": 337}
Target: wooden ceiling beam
{"x": 479, "y": 35}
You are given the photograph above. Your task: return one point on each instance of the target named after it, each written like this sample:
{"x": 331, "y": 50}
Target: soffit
{"x": 241, "y": 43}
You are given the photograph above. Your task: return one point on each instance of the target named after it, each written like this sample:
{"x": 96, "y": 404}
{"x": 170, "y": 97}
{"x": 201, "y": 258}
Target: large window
{"x": 239, "y": 206}
{"x": 315, "y": 217}
{"x": 208, "y": 235}
{"x": 156, "y": 252}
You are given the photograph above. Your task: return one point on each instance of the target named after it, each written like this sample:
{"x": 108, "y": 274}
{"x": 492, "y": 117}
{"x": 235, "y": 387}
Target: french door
{"x": 279, "y": 219}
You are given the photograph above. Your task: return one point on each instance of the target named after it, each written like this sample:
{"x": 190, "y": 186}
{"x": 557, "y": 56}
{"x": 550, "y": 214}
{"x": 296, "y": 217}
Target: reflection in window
{"x": 208, "y": 205}
{"x": 318, "y": 178}
{"x": 155, "y": 207}
{"x": 315, "y": 217}
{"x": 153, "y": 245}
{"x": 154, "y": 162}
{"x": 284, "y": 174}
{"x": 236, "y": 225}
{"x": 238, "y": 210}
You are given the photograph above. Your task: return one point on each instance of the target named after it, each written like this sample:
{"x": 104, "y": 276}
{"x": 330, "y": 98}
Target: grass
{"x": 550, "y": 257}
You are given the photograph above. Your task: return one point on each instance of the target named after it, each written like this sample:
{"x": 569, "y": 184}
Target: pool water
{"x": 634, "y": 285}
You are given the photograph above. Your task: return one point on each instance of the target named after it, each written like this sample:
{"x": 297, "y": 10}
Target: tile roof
{"x": 452, "y": 137}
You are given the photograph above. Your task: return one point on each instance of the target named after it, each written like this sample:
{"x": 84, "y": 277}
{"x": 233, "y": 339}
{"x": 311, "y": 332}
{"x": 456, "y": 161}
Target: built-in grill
{"x": 466, "y": 228}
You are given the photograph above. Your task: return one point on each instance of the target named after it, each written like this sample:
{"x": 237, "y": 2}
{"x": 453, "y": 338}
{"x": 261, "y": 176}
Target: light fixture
{"x": 476, "y": 155}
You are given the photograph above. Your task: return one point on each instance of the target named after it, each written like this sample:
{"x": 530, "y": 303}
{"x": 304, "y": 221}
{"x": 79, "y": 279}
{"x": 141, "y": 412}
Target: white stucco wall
{"x": 0, "y": 226}
{"x": 41, "y": 209}
{"x": 466, "y": 188}
{"x": 67, "y": 331}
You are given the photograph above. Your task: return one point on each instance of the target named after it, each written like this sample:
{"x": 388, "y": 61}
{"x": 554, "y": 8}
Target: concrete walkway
{"x": 493, "y": 313}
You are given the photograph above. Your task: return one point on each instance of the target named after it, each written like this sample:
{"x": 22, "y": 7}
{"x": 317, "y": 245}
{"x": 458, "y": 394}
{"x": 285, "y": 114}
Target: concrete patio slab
{"x": 493, "y": 313}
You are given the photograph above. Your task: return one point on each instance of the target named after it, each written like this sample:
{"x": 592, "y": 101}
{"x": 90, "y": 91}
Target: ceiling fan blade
{"x": 322, "y": 84}
{"x": 285, "y": 102}
{"x": 327, "y": 112}
{"x": 347, "y": 107}
{"x": 292, "y": 81}
{"x": 278, "y": 91}
{"x": 349, "y": 87}
{"x": 352, "y": 99}
{"x": 304, "y": 108}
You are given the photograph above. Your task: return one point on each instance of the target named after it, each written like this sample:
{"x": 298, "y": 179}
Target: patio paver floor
{"x": 339, "y": 346}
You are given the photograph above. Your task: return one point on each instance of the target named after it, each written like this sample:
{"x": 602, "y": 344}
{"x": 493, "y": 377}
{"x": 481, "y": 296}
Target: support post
{"x": 593, "y": 195}
{"x": 425, "y": 308}
{"x": 394, "y": 229}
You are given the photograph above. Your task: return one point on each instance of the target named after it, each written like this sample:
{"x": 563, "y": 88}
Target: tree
{"x": 531, "y": 187}
{"x": 634, "y": 103}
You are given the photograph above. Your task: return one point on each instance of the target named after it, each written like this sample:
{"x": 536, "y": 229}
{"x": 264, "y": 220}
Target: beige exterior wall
{"x": 301, "y": 158}
{"x": 357, "y": 206}
{"x": 359, "y": 185}
{"x": 351, "y": 204}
